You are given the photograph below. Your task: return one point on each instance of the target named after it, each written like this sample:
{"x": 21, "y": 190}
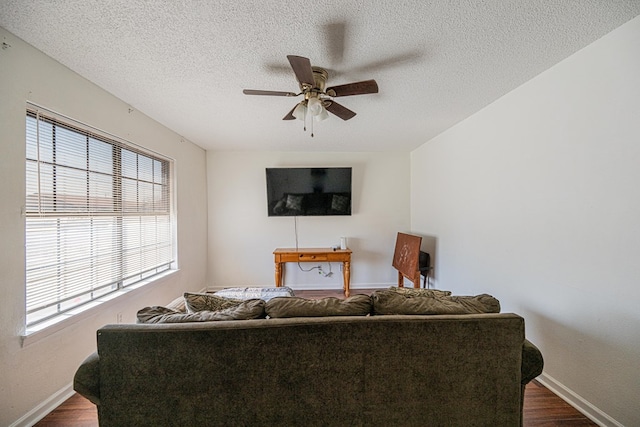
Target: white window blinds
{"x": 98, "y": 215}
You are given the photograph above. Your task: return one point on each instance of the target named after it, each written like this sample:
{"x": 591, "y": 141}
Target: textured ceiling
{"x": 185, "y": 63}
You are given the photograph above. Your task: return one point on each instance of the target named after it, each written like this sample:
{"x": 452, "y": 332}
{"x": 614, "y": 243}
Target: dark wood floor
{"x": 542, "y": 408}
{"x": 74, "y": 412}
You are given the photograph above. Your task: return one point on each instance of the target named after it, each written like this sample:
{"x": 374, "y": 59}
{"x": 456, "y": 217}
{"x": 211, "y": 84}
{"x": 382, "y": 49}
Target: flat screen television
{"x": 309, "y": 191}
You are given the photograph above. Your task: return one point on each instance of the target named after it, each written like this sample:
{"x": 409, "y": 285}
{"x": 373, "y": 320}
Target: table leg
{"x": 278, "y": 274}
{"x": 346, "y": 277}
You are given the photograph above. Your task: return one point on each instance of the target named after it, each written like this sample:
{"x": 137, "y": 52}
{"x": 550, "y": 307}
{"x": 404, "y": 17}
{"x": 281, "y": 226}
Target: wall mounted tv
{"x": 308, "y": 191}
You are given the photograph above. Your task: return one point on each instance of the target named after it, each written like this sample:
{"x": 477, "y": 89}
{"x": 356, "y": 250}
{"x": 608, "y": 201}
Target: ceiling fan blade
{"x": 343, "y": 112}
{"x": 290, "y": 116}
{"x": 302, "y": 68}
{"x": 267, "y": 92}
{"x": 358, "y": 88}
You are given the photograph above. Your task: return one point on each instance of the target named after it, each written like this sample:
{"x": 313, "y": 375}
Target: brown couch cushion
{"x": 249, "y": 309}
{"x": 419, "y": 292}
{"x": 356, "y": 305}
{"x": 195, "y": 302}
{"x": 391, "y": 302}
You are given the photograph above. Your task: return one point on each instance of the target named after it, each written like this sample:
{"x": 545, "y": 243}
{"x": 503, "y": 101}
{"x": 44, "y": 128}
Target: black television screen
{"x": 308, "y": 191}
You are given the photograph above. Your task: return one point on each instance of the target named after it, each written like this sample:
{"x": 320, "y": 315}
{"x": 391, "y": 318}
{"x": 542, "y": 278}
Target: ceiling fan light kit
{"x": 315, "y": 107}
{"x": 322, "y": 115}
{"x": 299, "y": 112}
{"x": 318, "y": 101}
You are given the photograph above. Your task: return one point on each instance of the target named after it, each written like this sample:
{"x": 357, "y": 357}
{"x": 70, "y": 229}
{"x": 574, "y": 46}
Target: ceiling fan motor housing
{"x": 320, "y": 76}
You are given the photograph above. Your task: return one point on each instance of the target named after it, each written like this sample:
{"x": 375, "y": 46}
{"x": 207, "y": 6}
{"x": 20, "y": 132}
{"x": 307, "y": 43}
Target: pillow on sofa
{"x": 255, "y": 292}
{"x": 483, "y": 303}
{"x": 195, "y": 302}
{"x": 340, "y": 203}
{"x": 294, "y": 202}
{"x": 419, "y": 292}
{"x": 356, "y": 305}
{"x": 390, "y": 302}
{"x": 250, "y": 309}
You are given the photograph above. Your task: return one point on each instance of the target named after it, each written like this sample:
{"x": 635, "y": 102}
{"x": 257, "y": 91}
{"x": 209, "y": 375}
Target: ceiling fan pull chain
{"x": 304, "y": 120}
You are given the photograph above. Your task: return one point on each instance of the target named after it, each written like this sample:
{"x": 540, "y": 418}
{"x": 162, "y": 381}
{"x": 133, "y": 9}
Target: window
{"x": 98, "y": 215}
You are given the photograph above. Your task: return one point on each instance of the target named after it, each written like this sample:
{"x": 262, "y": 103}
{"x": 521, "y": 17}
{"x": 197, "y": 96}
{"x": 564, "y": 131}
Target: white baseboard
{"x": 586, "y": 408}
{"x": 43, "y": 409}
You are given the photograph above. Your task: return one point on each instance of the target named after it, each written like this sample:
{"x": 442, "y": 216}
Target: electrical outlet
{"x": 119, "y": 318}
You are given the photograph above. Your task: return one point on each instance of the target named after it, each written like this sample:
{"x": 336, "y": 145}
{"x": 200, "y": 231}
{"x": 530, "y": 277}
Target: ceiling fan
{"x": 317, "y": 99}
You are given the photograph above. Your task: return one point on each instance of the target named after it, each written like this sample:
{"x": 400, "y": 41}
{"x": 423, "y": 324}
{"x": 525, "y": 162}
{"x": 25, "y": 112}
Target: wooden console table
{"x": 282, "y": 255}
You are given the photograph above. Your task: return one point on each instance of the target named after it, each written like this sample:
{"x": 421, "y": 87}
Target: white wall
{"x": 536, "y": 200}
{"x": 242, "y": 237}
{"x": 31, "y": 375}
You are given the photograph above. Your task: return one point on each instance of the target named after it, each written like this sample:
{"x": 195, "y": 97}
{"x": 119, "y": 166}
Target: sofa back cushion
{"x": 195, "y": 302}
{"x": 387, "y": 302}
{"x": 356, "y": 305}
{"x": 245, "y": 310}
{"x": 419, "y": 292}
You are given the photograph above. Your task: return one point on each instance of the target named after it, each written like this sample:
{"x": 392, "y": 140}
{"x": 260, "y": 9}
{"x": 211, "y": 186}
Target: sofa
{"x": 368, "y": 360}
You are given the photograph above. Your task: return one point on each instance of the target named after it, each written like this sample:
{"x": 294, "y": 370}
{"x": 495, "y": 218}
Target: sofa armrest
{"x": 532, "y": 362}
{"x": 86, "y": 381}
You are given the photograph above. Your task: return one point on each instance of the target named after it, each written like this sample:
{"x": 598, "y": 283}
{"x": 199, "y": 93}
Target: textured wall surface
{"x": 534, "y": 200}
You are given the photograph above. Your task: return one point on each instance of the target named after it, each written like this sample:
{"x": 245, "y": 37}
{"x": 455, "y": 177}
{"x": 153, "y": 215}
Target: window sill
{"x": 42, "y": 330}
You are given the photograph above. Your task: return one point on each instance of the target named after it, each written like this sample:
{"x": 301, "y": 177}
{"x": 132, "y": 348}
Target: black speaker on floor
{"x": 424, "y": 265}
